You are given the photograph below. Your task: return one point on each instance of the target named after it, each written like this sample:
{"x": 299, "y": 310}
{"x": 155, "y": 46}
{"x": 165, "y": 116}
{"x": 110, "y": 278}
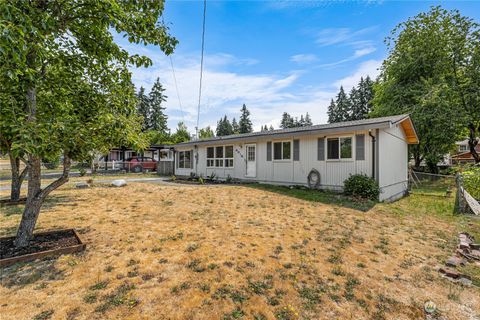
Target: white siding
{"x": 393, "y": 163}
{"x": 333, "y": 172}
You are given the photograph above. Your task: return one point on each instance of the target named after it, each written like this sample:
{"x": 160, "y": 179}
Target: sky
{"x": 274, "y": 56}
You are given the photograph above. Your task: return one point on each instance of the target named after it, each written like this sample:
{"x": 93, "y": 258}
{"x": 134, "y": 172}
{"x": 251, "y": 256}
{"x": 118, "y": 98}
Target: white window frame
{"x": 281, "y": 150}
{"x": 212, "y": 162}
{"x": 189, "y": 162}
{"x": 339, "y": 138}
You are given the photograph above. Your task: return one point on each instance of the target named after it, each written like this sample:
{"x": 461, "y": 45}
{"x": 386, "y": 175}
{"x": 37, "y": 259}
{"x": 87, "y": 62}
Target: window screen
{"x": 277, "y": 151}
{"x": 296, "y": 150}
{"x": 332, "y": 148}
{"x": 321, "y": 149}
{"x": 269, "y": 151}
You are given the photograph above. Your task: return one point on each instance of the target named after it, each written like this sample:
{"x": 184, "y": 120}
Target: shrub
{"x": 360, "y": 185}
{"x": 471, "y": 181}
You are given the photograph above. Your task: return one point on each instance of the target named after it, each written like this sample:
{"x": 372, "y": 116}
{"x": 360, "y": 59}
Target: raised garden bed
{"x": 43, "y": 244}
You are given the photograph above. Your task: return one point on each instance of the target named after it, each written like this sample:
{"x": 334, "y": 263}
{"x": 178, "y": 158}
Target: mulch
{"x": 39, "y": 243}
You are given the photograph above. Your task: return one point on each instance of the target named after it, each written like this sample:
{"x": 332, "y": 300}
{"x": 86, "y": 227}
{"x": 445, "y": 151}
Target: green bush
{"x": 360, "y": 185}
{"x": 471, "y": 181}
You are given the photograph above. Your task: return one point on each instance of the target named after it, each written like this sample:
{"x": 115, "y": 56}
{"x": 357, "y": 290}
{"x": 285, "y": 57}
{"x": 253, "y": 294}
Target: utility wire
{"x": 201, "y": 66}
{"x": 176, "y": 88}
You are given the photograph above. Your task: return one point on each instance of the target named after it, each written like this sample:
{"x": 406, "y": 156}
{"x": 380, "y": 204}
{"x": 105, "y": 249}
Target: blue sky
{"x": 274, "y": 56}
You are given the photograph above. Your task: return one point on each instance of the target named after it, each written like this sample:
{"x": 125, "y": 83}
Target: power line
{"x": 176, "y": 88}
{"x": 201, "y": 66}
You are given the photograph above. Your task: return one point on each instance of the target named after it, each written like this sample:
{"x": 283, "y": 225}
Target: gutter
{"x": 374, "y": 140}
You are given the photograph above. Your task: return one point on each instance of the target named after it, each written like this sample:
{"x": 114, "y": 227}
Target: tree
{"x": 333, "y": 115}
{"x": 271, "y": 128}
{"x": 181, "y": 134}
{"x": 158, "y": 119}
{"x": 143, "y": 108}
{"x": 245, "y": 125}
{"x": 308, "y": 120}
{"x": 235, "y": 127}
{"x": 78, "y": 95}
{"x": 224, "y": 127}
{"x": 206, "y": 133}
{"x": 432, "y": 73}
{"x": 287, "y": 121}
{"x": 343, "y": 106}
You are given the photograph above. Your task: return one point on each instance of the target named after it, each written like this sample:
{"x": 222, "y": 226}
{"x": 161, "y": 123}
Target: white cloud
{"x": 333, "y": 36}
{"x": 367, "y": 68}
{"x": 303, "y": 58}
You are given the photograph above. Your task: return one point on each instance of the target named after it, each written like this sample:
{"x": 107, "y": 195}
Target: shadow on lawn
{"x": 326, "y": 197}
{"x": 23, "y": 274}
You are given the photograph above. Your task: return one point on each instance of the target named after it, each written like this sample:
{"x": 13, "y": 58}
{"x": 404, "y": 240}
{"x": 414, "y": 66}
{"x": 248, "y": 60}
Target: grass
{"x": 237, "y": 252}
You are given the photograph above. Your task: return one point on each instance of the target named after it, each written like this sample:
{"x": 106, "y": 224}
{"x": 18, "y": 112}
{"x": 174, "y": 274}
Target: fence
{"x": 431, "y": 184}
{"x": 464, "y": 202}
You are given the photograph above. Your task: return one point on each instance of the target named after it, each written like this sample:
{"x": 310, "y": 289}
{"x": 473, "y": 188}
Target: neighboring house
{"x": 162, "y": 153}
{"x": 375, "y": 147}
{"x": 463, "y": 154}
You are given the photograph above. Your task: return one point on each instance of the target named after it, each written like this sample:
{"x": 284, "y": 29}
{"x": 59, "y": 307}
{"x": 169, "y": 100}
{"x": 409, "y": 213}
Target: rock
{"x": 465, "y": 237}
{"x": 119, "y": 183}
{"x": 476, "y": 254}
{"x": 82, "y": 185}
{"x": 464, "y": 245}
{"x": 455, "y": 261}
{"x": 475, "y": 246}
{"x": 464, "y": 281}
{"x": 450, "y": 273}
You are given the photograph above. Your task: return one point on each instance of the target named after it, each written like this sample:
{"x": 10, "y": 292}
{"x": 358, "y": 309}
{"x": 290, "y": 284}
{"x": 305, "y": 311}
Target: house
{"x": 463, "y": 154}
{"x": 376, "y": 147}
{"x": 162, "y": 153}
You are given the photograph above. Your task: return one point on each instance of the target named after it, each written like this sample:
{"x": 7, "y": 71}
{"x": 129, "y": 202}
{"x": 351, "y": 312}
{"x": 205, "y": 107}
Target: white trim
{"x": 282, "y": 142}
{"x": 340, "y": 159}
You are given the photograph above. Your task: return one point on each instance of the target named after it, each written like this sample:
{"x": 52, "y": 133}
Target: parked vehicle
{"x": 140, "y": 164}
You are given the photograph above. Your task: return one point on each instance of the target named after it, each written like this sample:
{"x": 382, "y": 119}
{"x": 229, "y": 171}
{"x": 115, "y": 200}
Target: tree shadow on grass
{"x": 326, "y": 197}
{"x": 23, "y": 274}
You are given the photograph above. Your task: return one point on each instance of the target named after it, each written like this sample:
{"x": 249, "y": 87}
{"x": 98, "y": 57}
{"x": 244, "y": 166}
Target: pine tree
{"x": 143, "y": 108}
{"x": 356, "y": 112}
{"x": 235, "y": 127}
{"x": 245, "y": 125}
{"x": 343, "y": 106}
{"x": 158, "y": 119}
{"x": 301, "y": 122}
{"x": 206, "y": 133}
{"x": 332, "y": 112}
{"x": 308, "y": 120}
{"x": 286, "y": 121}
{"x": 224, "y": 127}
{"x": 367, "y": 90}
{"x": 271, "y": 128}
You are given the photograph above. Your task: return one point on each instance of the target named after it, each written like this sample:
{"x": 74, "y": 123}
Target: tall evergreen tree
{"x": 224, "y": 127}
{"x": 245, "y": 125}
{"x": 143, "y": 108}
{"x": 343, "y": 106}
{"x": 301, "y": 122}
{"x": 235, "y": 127}
{"x": 158, "y": 119}
{"x": 182, "y": 134}
{"x": 356, "y": 105}
{"x": 271, "y": 128}
{"x": 287, "y": 121}
{"x": 333, "y": 112}
{"x": 308, "y": 120}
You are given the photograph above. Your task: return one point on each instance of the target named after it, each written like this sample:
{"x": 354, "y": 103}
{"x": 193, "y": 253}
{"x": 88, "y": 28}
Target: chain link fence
{"x": 431, "y": 184}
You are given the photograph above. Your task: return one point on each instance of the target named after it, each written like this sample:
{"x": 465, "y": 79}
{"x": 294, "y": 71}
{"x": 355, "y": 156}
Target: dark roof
{"x": 347, "y": 125}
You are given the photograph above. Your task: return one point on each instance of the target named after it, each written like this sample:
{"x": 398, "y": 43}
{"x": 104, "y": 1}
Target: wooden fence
{"x": 464, "y": 202}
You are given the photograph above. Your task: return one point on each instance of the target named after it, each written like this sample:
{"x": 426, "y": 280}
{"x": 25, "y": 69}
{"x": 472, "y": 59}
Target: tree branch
{"x": 60, "y": 181}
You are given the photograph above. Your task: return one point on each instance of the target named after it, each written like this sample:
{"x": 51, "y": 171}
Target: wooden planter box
{"x": 48, "y": 253}
{"x": 8, "y": 202}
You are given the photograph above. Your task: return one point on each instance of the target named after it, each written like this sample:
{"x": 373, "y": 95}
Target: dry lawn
{"x": 224, "y": 252}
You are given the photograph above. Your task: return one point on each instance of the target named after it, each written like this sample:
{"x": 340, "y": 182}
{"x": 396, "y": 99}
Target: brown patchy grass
{"x": 224, "y": 252}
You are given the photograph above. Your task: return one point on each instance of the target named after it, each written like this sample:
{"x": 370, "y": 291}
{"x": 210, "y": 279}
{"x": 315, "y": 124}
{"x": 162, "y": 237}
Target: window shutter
{"x": 269, "y": 151}
{"x": 296, "y": 150}
{"x": 191, "y": 159}
{"x": 360, "y": 147}
{"x": 321, "y": 149}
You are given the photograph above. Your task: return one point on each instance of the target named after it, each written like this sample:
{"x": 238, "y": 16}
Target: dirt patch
{"x": 40, "y": 242}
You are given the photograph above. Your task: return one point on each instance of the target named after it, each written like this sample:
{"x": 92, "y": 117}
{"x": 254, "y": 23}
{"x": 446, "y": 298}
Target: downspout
{"x": 373, "y": 152}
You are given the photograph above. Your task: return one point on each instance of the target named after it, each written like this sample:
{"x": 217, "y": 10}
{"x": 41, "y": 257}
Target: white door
{"x": 251, "y": 150}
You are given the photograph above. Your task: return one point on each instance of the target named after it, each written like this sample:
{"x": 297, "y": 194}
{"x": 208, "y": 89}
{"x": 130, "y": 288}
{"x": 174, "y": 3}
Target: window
{"x": 219, "y": 157}
{"x": 229, "y": 157}
{"x": 339, "y": 148}
{"x": 210, "y": 157}
{"x": 185, "y": 159}
{"x": 360, "y": 147}
{"x": 462, "y": 148}
{"x": 282, "y": 150}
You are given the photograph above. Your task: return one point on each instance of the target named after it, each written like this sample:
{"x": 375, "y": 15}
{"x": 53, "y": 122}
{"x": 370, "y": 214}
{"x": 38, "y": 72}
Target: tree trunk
{"x": 473, "y": 142}
{"x": 35, "y": 198}
{"x": 17, "y": 177}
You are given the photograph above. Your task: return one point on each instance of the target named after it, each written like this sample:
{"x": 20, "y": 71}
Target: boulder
{"x": 82, "y": 185}
{"x": 455, "y": 261}
{"x": 119, "y": 183}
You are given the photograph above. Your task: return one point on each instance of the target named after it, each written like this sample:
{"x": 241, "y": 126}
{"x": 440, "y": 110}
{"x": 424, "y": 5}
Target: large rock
{"x": 82, "y": 185}
{"x": 119, "y": 183}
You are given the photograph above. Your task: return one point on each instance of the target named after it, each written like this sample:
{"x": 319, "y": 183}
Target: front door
{"x": 251, "y": 150}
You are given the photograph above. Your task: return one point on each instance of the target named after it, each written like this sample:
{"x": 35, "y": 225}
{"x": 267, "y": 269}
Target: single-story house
{"x": 376, "y": 147}
{"x": 463, "y": 154}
